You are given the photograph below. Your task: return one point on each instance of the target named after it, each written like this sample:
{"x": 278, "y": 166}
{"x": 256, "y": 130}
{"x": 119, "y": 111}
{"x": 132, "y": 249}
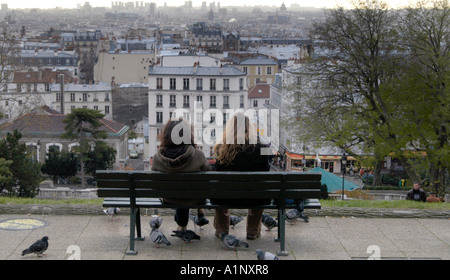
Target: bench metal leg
{"x": 138, "y": 225}
{"x": 131, "y": 251}
{"x": 281, "y": 232}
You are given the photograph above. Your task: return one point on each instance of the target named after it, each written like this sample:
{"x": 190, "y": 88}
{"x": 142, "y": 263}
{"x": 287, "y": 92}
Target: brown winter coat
{"x": 190, "y": 160}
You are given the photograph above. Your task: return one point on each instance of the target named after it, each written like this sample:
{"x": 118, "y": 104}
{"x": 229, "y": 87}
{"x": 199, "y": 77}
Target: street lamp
{"x": 343, "y": 164}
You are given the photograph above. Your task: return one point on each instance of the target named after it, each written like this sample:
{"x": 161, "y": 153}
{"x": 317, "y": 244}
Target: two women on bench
{"x": 240, "y": 151}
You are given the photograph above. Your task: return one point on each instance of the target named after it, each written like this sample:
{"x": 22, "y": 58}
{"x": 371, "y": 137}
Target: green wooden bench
{"x": 142, "y": 189}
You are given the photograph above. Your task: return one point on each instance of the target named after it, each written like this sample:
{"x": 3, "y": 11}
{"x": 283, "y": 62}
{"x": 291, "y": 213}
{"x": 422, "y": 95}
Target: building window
{"x": 226, "y": 84}
{"x": 199, "y": 84}
{"x": 241, "y": 83}
{"x": 159, "y": 117}
{"x": 85, "y": 96}
{"x": 255, "y": 103}
{"x": 241, "y": 101}
{"x": 212, "y": 84}
{"x": 106, "y": 109}
{"x": 106, "y": 96}
{"x": 173, "y": 83}
{"x": 58, "y": 96}
{"x": 96, "y": 108}
{"x": 186, "y": 101}
{"x": 199, "y": 101}
{"x": 259, "y": 70}
{"x": 159, "y": 83}
{"x": 212, "y": 101}
{"x": 269, "y": 70}
{"x": 186, "y": 83}
{"x": 173, "y": 102}
{"x": 226, "y": 101}
{"x": 245, "y": 70}
{"x": 72, "y": 97}
{"x": 159, "y": 100}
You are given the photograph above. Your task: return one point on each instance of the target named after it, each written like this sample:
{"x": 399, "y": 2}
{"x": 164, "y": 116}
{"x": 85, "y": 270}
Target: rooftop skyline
{"x": 50, "y": 4}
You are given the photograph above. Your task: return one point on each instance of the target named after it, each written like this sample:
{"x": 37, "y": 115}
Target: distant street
{"x": 136, "y": 163}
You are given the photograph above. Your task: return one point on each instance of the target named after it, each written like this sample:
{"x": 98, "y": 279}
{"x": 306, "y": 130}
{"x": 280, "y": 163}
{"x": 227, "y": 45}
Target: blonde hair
{"x": 238, "y": 136}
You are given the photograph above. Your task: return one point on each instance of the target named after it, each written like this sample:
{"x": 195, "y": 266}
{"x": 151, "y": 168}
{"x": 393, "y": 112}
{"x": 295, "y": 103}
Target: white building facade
{"x": 206, "y": 96}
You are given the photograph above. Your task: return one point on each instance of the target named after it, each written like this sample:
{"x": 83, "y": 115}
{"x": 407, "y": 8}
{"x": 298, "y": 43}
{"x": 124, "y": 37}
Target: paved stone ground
{"x": 323, "y": 238}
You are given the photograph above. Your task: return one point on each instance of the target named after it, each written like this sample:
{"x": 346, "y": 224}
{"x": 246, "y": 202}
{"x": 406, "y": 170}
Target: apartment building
{"x": 74, "y": 96}
{"x": 206, "y": 96}
{"x": 259, "y": 70}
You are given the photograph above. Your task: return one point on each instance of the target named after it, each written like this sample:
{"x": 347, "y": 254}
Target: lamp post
{"x": 343, "y": 164}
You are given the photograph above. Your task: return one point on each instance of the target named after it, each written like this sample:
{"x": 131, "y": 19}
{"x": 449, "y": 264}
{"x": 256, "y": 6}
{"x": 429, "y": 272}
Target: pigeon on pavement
{"x": 186, "y": 235}
{"x": 38, "y": 248}
{"x": 292, "y": 215}
{"x": 268, "y": 221}
{"x": 199, "y": 221}
{"x": 265, "y": 256}
{"x": 112, "y": 212}
{"x": 158, "y": 238}
{"x": 304, "y": 217}
{"x": 231, "y": 242}
{"x": 155, "y": 222}
{"x": 234, "y": 220}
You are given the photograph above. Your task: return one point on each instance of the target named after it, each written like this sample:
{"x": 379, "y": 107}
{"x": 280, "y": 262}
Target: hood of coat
{"x": 176, "y": 158}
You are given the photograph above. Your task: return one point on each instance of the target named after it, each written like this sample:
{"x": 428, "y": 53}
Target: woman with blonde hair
{"x": 240, "y": 150}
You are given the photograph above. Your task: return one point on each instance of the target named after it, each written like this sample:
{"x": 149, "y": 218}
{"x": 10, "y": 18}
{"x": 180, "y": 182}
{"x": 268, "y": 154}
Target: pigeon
{"x": 292, "y": 215}
{"x": 158, "y": 237}
{"x": 199, "y": 221}
{"x": 155, "y": 222}
{"x": 268, "y": 221}
{"x": 304, "y": 217}
{"x": 38, "y": 247}
{"x": 234, "y": 220}
{"x": 112, "y": 212}
{"x": 265, "y": 256}
{"x": 186, "y": 235}
{"x": 231, "y": 242}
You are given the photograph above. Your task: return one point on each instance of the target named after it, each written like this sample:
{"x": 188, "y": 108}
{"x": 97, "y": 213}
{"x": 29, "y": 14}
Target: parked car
{"x": 134, "y": 154}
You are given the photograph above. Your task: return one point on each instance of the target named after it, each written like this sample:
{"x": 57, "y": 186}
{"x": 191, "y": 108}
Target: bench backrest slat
{"x": 209, "y": 184}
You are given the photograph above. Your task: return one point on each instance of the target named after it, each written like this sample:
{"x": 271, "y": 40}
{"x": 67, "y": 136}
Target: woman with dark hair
{"x": 240, "y": 151}
{"x": 178, "y": 153}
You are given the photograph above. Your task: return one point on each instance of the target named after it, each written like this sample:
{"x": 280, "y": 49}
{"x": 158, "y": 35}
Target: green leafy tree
{"x": 60, "y": 164}
{"x": 26, "y": 174}
{"x": 5, "y": 173}
{"x": 83, "y": 126}
{"x": 101, "y": 157}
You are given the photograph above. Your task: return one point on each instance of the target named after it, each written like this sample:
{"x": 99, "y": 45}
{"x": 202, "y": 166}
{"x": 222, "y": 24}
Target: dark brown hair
{"x": 166, "y": 136}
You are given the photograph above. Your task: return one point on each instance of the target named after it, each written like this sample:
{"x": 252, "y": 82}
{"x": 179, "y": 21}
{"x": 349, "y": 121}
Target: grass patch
{"x": 20, "y": 200}
{"x": 405, "y": 204}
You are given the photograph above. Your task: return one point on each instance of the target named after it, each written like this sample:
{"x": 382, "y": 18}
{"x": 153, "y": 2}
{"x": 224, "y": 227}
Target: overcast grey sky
{"x": 14, "y": 4}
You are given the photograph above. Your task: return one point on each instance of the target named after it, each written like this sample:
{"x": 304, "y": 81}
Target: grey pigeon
{"x": 304, "y": 217}
{"x": 158, "y": 237}
{"x": 292, "y": 215}
{"x": 37, "y": 247}
{"x": 186, "y": 235}
{"x": 265, "y": 256}
{"x": 231, "y": 242}
{"x": 155, "y": 222}
{"x": 112, "y": 211}
{"x": 199, "y": 221}
{"x": 268, "y": 221}
{"x": 234, "y": 220}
